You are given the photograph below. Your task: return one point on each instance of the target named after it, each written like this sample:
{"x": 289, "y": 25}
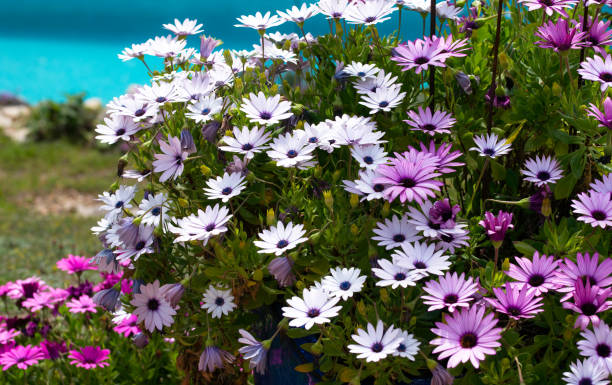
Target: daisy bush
{"x": 356, "y": 208}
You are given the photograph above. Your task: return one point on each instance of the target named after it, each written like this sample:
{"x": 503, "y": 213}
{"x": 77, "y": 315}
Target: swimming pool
{"x": 50, "y": 48}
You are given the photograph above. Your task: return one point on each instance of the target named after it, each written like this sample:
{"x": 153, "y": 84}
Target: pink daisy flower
{"x": 437, "y": 123}
{"x": 588, "y": 301}
{"x": 75, "y": 264}
{"x": 467, "y": 335}
{"x": 549, "y": 6}
{"x": 83, "y": 304}
{"x": 26, "y": 288}
{"x": 560, "y": 36}
{"x": 594, "y": 208}
{"x": 516, "y": 301}
{"x": 128, "y": 326}
{"x": 21, "y": 356}
{"x": 38, "y": 301}
{"x": 450, "y": 291}
{"x": 586, "y": 268}
{"x": 538, "y": 274}
{"x": 418, "y": 54}
{"x": 89, "y": 357}
{"x": 603, "y": 117}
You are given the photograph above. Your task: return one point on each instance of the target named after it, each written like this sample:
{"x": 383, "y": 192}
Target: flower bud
{"x": 328, "y": 199}
{"x": 140, "y": 340}
{"x": 205, "y": 170}
{"x": 183, "y": 202}
{"x": 187, "y": 143}
{"x": 108, "y": 299}
{"x": 270, "y": 217}
{"x": 556, "y": 89}
{"x": 354, "y": 200}
{"x": 354, "y": 230}
{"x": 172, "y": 293}
{"x": 386, "y": 209}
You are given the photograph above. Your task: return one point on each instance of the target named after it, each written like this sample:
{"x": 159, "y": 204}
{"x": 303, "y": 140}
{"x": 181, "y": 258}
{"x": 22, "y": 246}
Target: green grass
{"x": 31, "y": 243}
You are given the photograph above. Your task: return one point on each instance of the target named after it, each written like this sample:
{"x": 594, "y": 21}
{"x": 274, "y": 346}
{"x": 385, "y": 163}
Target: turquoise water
{"x": 50, "y": 48}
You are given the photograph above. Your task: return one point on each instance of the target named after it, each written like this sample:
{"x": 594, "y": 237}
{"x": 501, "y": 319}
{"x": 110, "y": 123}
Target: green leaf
{"x": 497, "y": 170}
{"x": 524, "y": 248}
{"x": 565, "y": 186}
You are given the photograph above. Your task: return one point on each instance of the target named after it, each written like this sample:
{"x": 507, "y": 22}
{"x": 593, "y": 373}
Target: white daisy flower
{"x": 314, "y": 308}
{"x": 136, "y": 51}
{"x": 362, "y": 71}
{"x": 225, "y": 187}
{"x": 127, "y": 105}
{"x": 158, "y": 93}
{"x": 278, "y": 37}
{"x": 395, "y": 232}
{"x": 194, "y": 89}
{"x": 333, "y": 9}
{"x": 542, "y": 171}
{"x": 420, "y": 218}
{"x": 246, "y": 141}
{"x": 187, "y": 27}
{"x": 139, "y": 175}
{"x": 259, "y": 22}
{"x": 203, "y": 110}
{"x": 408, "y": 347}
{"x": 102, "y": 226}
{"x": 318, "y": 135}
{"x": 114, "y": 203}
{"x": 369, "y": 156}
{"x": 371, "y": 84}
{"x": 488, "y": 145}
{"x": 165, "y": 46}
{"x": 154, "y": 209}
{"x": 421, "y": 6}
{"x": 584, "y": 372}
{"x": 299, "y": 15}
{"x": 597, "y": 345}
{"x": 116, "y": 127}
{"x": 204, "y": 225}
{"x": 343, "y": 282}
{"x": 383, "y": 99}
{"x": 266, "y": 111}
{"x": 291, "y": 149}
{"x": 375, "y": 344}
{"x": 393, "y": 275}
{"x": 280, "y": 238}
{"x": 218, "y": 302}
{"x": 422, "y": 258}
{"x": 137, "y": 244}
{"x": 152, "y": 308}
{"x": 457, "y": 239}
{"x": 366, "y": 185}
{"x": 445, "y": 10}
{"x": 354, "y": 130}
{"x": 369, "y": 13}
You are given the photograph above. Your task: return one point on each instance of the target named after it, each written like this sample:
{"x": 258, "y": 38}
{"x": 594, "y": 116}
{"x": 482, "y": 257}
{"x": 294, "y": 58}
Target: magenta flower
{"x": 598, "y": 34}
{"x": 171, "y": 161}
{"x": 444, "y": 157}
{"x": 450, "y": 291}
{"x": 549, "y": 6}
{"x": 22, "y": 356}
{"x": 75, "y": 264}
{"x": 517, "y": 301}
{"x": 53, "y": 350}
{"x": 89, "y": 357}
{"x": 128, "y": 326}
{"x": 467, "y": 335}
{"x": 26, "y": 288}
{"x": 586, "y": 268}
{"x": 83, "y": 304}
{"x": 560, "y": 36}
{"x": 537, "y": 274}
{"x": 596, "y": 209}
{"x": 8, "y": 335}
{"x": 419, "y": 54}
{"x": 437, "y": 123}
{"x": 588, "y": 301}
{"x": 603, "y": 117}
{"x": 443, "y": 214}
{"x": 597, "y": 69}
{"x": 408, "y": 179}
{"x": 38, "y": 301}
{"x": 497, "y": 226}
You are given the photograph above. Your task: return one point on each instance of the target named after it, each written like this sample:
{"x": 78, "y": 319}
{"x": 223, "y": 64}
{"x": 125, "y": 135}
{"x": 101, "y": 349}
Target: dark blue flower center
{"x": 119, "y": 204}
{"x": 543, "y": 175}
{"x": 226, "y": 191}
{"x": 160, "y": 99}
{"x": 383, "y": 104}
{"x": 603, "y": 350}
{"x": 536, "y": 280}
{"x": 408, "y": 182}
{"x": 421, "y": 60}
{"x": 401, "y": 348}
{"x": 140, "y": 245}
{"x": 206, "y": 111}
{"x": 120, "y": 131}
{"x": 588, "y": 309}
{"x": 361, "y": 74}
{"x": 378, "y": 187}
{"x": 399, "y": 238}
{"x": 428, "y": 127}
{"x": 585, "y": 381}
{"x": 282, "y": 244}
{"x": 153, "y": 304}
{"x": 468, "y": 340}
{"x": 377, "y": 347}
{"x": 219, "y": 301}
{"x": 345, "y": 285}
{"x": 451, "y": 298}
{"x": 265, "y": 115}
{"x": 247, "y": 146}
{"x": 489, "y": 151}
{"x": 210, "y": 227}
{"x": 420, "y": 265}
{"x": 513, "y": 311}
{"x": 292, "y": 154}
{"x": 139, "y": 112}
{"x": 313, "y": 139}
{"x": 598, "y": 215}
{"x": 156, "y": 211}
{"x": 368, "y": 159}
{"x": 400, "y": 276}
{"x": 606, "y": 77}
{"x": 370, "y": 19}
{"x": 313, "y": 313}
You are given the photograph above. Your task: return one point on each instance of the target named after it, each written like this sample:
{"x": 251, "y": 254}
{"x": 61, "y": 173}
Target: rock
{"x": 12, "y": 121}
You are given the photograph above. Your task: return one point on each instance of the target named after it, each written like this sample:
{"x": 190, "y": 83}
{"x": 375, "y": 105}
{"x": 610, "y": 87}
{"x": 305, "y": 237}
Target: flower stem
{"x": 585, "y": 17}
{"x": 432, "y": 69}
{"x": 478, "y": 184}
{"x": 494, "y": 69}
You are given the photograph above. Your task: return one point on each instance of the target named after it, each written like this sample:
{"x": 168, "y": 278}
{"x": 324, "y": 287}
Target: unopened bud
{"x": 328, "y": 199}
{"x": 140, "y": 340}
{"x": 270, "y": 217}
{"x": 354, "y": 200}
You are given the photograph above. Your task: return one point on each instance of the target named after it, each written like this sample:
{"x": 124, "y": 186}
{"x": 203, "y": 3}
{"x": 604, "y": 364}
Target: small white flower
{"x": 194, "y": 88}
{"x": 422, "y": 258}
{"x": 203, "y": 110}
{"x": 114, "y": 203}
{"x": 445, "y": 10}
{"x": 376, "y": 344}
{"x": 154, "y": 209}
{"x": 371, "y": 84}
{"x": 218, "y": 302}
{"x": 158, "y": 93}
{"x": 116, "y": 127}
{"x": 266, "y": 111}
{"x": 225, "y": 187}
{"x": 136, "y": 51}
{"x": 365, "y": 185}
{"x": 488, "y": 145}
{"x": 203, "y": 226}
{"x": 362, "y": 71}
{"x": 421, "y": 6}
{"x": 315, "y": 308}
{"x": 597, "y": 345}
{"x": 333, "y": 9}
{"x": 587, "y": 371}
{"x": 299, "y": 15}
{"x": 187, "y": 27}
{"x": 383, "y": 99}
{"x": 280, "y": 238}
{"x": 369, "y": 156}
{"x": 370, "y": 13}
{"x": 343, "y": 282}
{"x": 259, "y": 22}
{"x": 102, "y": 226}
{"x": 542, "y": 171}
{"x": 318, "y": 135}
{"x": 165, "y": 46}
{"x": 141, "y": 242}
{"x": 291, "y": 149}
{"x": 246, "y": 141}
{"x": 395, "y": 232}
{"x": 152, "y": 308}
{"x": 393, "y": 275}
{"x": 354, "y": 130}
{"x": 408, "y": 347}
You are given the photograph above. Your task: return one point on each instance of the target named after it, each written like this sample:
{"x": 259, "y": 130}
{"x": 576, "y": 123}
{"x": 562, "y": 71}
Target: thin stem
{"x": 494, "y": 69}
{"x": 432, "y": 69}
{"x": 478, "y": 183}
{"x": 569, "y": 72}
{"x": 496, "y": 258}
{"x": 585, "y": 17}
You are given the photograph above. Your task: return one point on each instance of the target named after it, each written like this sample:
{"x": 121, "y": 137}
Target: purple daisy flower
{"x": 603, "y": 185}
{"x": 497, "y": 226}
{"x": 254, "y": 351}
{"x": 588, "y": 301}
{"x": 212, "y": 358}
{"x": 22, "y": 356}
{"x": 560, "y": 36}
{"x": 450, "y": 291}
{"x": 537, "y": 274}
{"x": 443, "y": 214}
{"x": 517, "y": 301}
{"x": 437, "y": 123}
{"x": 597, "y": 345}
{"x": 171, "y": 161}
{"x": 586, "y": 268}
{"x": 467, "y": 335}
{"x": 408, "y": 179}
{"x": 443, "y": 155}
{"x": 89, "y": 357}
{"x": 598, "y": 34}
{"x": 595, "y": 209}
{"x": 597, "y": 69}
{"x": 75, "y": 264}
{"x": 549, "y": 6}
{"x": 418, "y": 54}
{"x": 542, "y": 171}
{"x": 603, "y": 117}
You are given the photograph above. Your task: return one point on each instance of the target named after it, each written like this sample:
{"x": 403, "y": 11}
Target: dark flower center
{"x": 119, "y": 204}
{"x": 514, "y": 311}
{"x": 206, "y": 111}
{"x": 603, "y": 350}
{"x": 536, "y": 280}
{"x": 420, "y": 265}
{"x": 140, "y": 245}
{"x": 247, "y": 147}
{"x": 377, "y": 347}
{"x": 265, "y": 115}
{"x": 336, "y": 15}
{"x": 378, "y": 187}
{"x": 345, "y": 285}
{"x": 401, "y": 348}
{"x": 139, "y": 112}
{"x": 588, "y": 309}
{"x": 590, "y": 279}
{"x": 468, "y": 340}
{"x": 408, "y": 182}
{"x": 368, "y": 159}
{"x": 598, "y": 215}
{"x": 428, "y": 127}
{"x": 606, "y": 76}
{"x": 547, "y": 3}
{"x": 543, "y": 175}
{"x": 585, "y": 381}
{"x": 179, "y": 159}
{"x": 292, "y": 154}
{"x": 312, "y": 313}
{"x": 421, "y": 60}
{"x": 434, "y": 226}
{"x": 160, "y": 99}
{"x": 210, "y": 227}
{"x": 156, "y": 211}
{"x": 219, "y": 301}
{"x": 282, "y": 244}
{"x": 451, "y": 298}
{"x": 226, "y": 191}
{"x": 361, "y": 74}
{"x": 120, "y": 131}
{"x": 489, "y": 151}
{"x": 313, "y": 139}
{"x": 400, "y": 276}
{"x": 383, "y": 104}
{"x": 153, "y": 304}
{"x": 399, "y": 238}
